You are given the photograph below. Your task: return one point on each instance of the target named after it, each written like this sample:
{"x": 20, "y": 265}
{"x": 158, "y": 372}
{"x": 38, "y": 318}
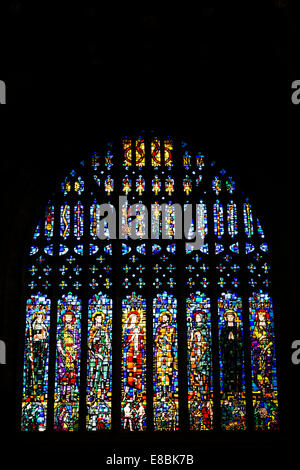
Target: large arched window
{"x": 148, "y": 298}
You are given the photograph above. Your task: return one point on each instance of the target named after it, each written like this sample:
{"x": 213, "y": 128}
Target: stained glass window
{"x": 49, "y": 221}
{"x": 78, "y": 220}
{"x": 163, "y": 320}
{"x": 165, "y": 373}
{"x": 263, "y": 361}
{"x": 67, "y": 370}
{"x": 99, "y": 363}
{"x": 36, "y": 363}
{"x": 155, "y": 152}
{"x": 140, "y": 152}
{"x": 134, "y": 363}
{"x": 232, "y": 362}
{"x": 199, "y": 351}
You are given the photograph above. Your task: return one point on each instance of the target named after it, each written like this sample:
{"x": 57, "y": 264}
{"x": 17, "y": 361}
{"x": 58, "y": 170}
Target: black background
{"x": 219, "y": 76}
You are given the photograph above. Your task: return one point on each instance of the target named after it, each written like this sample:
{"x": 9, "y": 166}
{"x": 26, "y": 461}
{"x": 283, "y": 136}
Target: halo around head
{"x": 165, "y": 312}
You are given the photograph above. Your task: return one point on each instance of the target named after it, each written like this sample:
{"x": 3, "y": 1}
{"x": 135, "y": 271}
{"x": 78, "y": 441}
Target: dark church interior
{"x": 218, "y": 76}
